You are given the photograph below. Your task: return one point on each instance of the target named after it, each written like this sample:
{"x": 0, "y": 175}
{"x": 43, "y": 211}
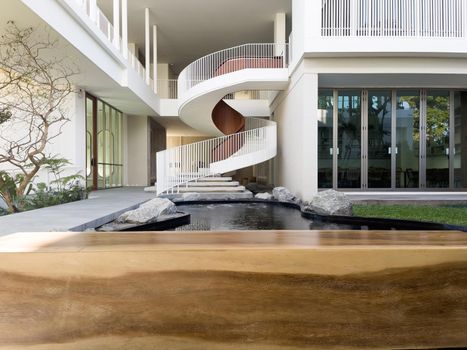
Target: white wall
{"x": 70, "y": 144}
{"x": 296, "y": 115}
{"x": 137, "y": 151}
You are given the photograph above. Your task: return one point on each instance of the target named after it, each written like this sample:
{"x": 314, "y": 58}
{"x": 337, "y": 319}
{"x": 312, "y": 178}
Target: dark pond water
{"x": 251, "y": 216}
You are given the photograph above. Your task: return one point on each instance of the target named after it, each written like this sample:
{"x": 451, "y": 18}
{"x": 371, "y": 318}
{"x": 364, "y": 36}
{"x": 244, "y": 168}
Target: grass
{"x": 447, "y": 214}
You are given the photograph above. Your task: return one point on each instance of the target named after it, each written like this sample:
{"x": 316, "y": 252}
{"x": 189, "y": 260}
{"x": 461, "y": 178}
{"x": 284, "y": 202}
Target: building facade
{"x": 355, "y": 95}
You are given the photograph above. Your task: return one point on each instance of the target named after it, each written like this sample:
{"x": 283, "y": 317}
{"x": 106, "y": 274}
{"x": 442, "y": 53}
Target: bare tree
{"x": 34, "y": 86}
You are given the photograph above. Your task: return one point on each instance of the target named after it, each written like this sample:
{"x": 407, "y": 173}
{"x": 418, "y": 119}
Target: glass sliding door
{"x": 325, "y": 138}
{"x": 407, "y": 139}
{"x": 387, "y": 138}
{"x": 379, "y": 138}
{"x": 349, "y": 139}
{"x": 437, "y": 139}
{"x": 103, "y": 145}
{"x": 459, "y": 143}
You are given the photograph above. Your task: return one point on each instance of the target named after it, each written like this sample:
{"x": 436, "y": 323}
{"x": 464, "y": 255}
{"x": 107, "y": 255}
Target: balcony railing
{"x": 167, "y": 88}
{"x": 96, "y": 16}
{"x": 394, "y": 18}
{"x": 248, "y": 56}
{"x": 248, "y": 95}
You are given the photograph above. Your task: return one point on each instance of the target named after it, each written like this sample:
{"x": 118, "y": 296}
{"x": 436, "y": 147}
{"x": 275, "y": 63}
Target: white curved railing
{"x": 179, "y": 166}
{"x": 248, "y": 56}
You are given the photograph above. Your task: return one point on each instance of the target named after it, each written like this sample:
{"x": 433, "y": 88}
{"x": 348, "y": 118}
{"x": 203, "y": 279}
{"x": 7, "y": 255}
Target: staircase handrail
{"x": 183, "y": 164}
{"x": 207, "y": 67}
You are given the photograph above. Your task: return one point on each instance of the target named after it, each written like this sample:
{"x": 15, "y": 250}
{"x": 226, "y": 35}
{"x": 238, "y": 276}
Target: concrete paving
{"x": 100, "y": 208}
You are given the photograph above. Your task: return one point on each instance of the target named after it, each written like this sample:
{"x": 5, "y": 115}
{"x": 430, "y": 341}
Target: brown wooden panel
{"x": 230, "y": 122}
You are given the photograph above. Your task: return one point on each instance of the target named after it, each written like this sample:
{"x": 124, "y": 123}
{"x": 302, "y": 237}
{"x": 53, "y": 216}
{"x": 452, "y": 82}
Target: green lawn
{"x": 452, "y": 214}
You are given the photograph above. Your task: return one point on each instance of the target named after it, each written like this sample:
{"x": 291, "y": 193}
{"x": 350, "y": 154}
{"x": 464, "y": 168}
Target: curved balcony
{"x": 206, "y": 81}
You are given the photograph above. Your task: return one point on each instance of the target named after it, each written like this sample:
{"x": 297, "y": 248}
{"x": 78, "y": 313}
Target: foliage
{"x": 437, "y": 117}
{"x": 34, "y": 85}
{"x": 8, "y": 193}
{"x": 454, "y": 215}
{"x": 46, "y": 196}
{"x": 63, "y": 189}
{"x": 5, "y": 115}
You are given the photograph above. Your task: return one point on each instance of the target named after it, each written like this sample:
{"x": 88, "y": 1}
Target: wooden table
{"x": 233, "y": 290}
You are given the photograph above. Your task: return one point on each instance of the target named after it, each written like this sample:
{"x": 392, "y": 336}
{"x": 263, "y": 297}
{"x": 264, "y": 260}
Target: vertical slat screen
{"x": 394, "y": 18}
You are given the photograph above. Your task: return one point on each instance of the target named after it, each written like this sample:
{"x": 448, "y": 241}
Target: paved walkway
{"x": 100, "y": 208}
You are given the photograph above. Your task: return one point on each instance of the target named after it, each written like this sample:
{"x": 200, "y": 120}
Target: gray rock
{"x": 330, "y": 202}
{"x": 264, "y": 195}
{"x": 116, "y": 226}
{"x": 283, "y": 195}
{"x": 148, "y": 211}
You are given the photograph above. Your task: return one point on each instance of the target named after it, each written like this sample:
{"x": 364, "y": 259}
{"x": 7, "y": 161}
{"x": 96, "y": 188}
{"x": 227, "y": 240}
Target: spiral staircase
{"x": 237, "y": 142}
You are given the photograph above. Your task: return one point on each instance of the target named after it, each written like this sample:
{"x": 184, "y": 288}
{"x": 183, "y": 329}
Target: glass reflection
{"x": 349, "y": 139}
{"x": 379, "y": 139}
{"x": 325, "y": 138}
{"x": 407, "y": 139}
{"x": 437, "y": 139}
{"x": 460, "y": 140}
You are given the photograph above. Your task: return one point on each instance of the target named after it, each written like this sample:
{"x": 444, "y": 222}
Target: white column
{"x": 147, "y": 36}
{"x": 154, "y": 56}
{"x": 279, "y": 34}
{"x": 116, "y": 23}
{"x": 309, "y": 127}
{"x": 125, "y": 28}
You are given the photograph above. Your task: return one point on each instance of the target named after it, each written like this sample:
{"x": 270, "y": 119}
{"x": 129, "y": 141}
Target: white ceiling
{"x": 190, "y": 29}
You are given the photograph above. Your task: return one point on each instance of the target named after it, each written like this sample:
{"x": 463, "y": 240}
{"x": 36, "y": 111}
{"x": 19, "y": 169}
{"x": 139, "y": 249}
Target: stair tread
{"x": 212, "y": 189}
{"x": 216, "y": 179}
{"x": 213, "y": 183}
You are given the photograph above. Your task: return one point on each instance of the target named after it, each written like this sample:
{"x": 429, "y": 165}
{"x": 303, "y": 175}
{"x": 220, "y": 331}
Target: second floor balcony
{"x": 435, "y": 27}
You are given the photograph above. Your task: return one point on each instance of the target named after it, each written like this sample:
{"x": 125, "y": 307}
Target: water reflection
{"x": 250, "y": 216}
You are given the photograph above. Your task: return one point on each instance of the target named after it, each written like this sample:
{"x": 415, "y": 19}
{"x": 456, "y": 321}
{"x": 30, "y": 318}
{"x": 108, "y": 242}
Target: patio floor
{"x": 100, "y": 208}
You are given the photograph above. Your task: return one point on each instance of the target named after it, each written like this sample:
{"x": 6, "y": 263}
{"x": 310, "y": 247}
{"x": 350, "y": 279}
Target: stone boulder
{"x": 283, "y": 195}
{"x": 265, "y": 195}
{"x": 148, "y": 211}
{"x": 330, "y": 202}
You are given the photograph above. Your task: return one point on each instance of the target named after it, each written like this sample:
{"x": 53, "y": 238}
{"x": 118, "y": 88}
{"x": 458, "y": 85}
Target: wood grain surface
{"x": 268, "y": 291}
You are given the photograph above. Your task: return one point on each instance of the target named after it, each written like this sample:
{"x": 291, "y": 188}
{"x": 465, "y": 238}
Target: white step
{"x": 213, "y": 183}
{"x": 215, "y": 179}
{"x": 183, "y": 189}
{"x": 210, "y": 196}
